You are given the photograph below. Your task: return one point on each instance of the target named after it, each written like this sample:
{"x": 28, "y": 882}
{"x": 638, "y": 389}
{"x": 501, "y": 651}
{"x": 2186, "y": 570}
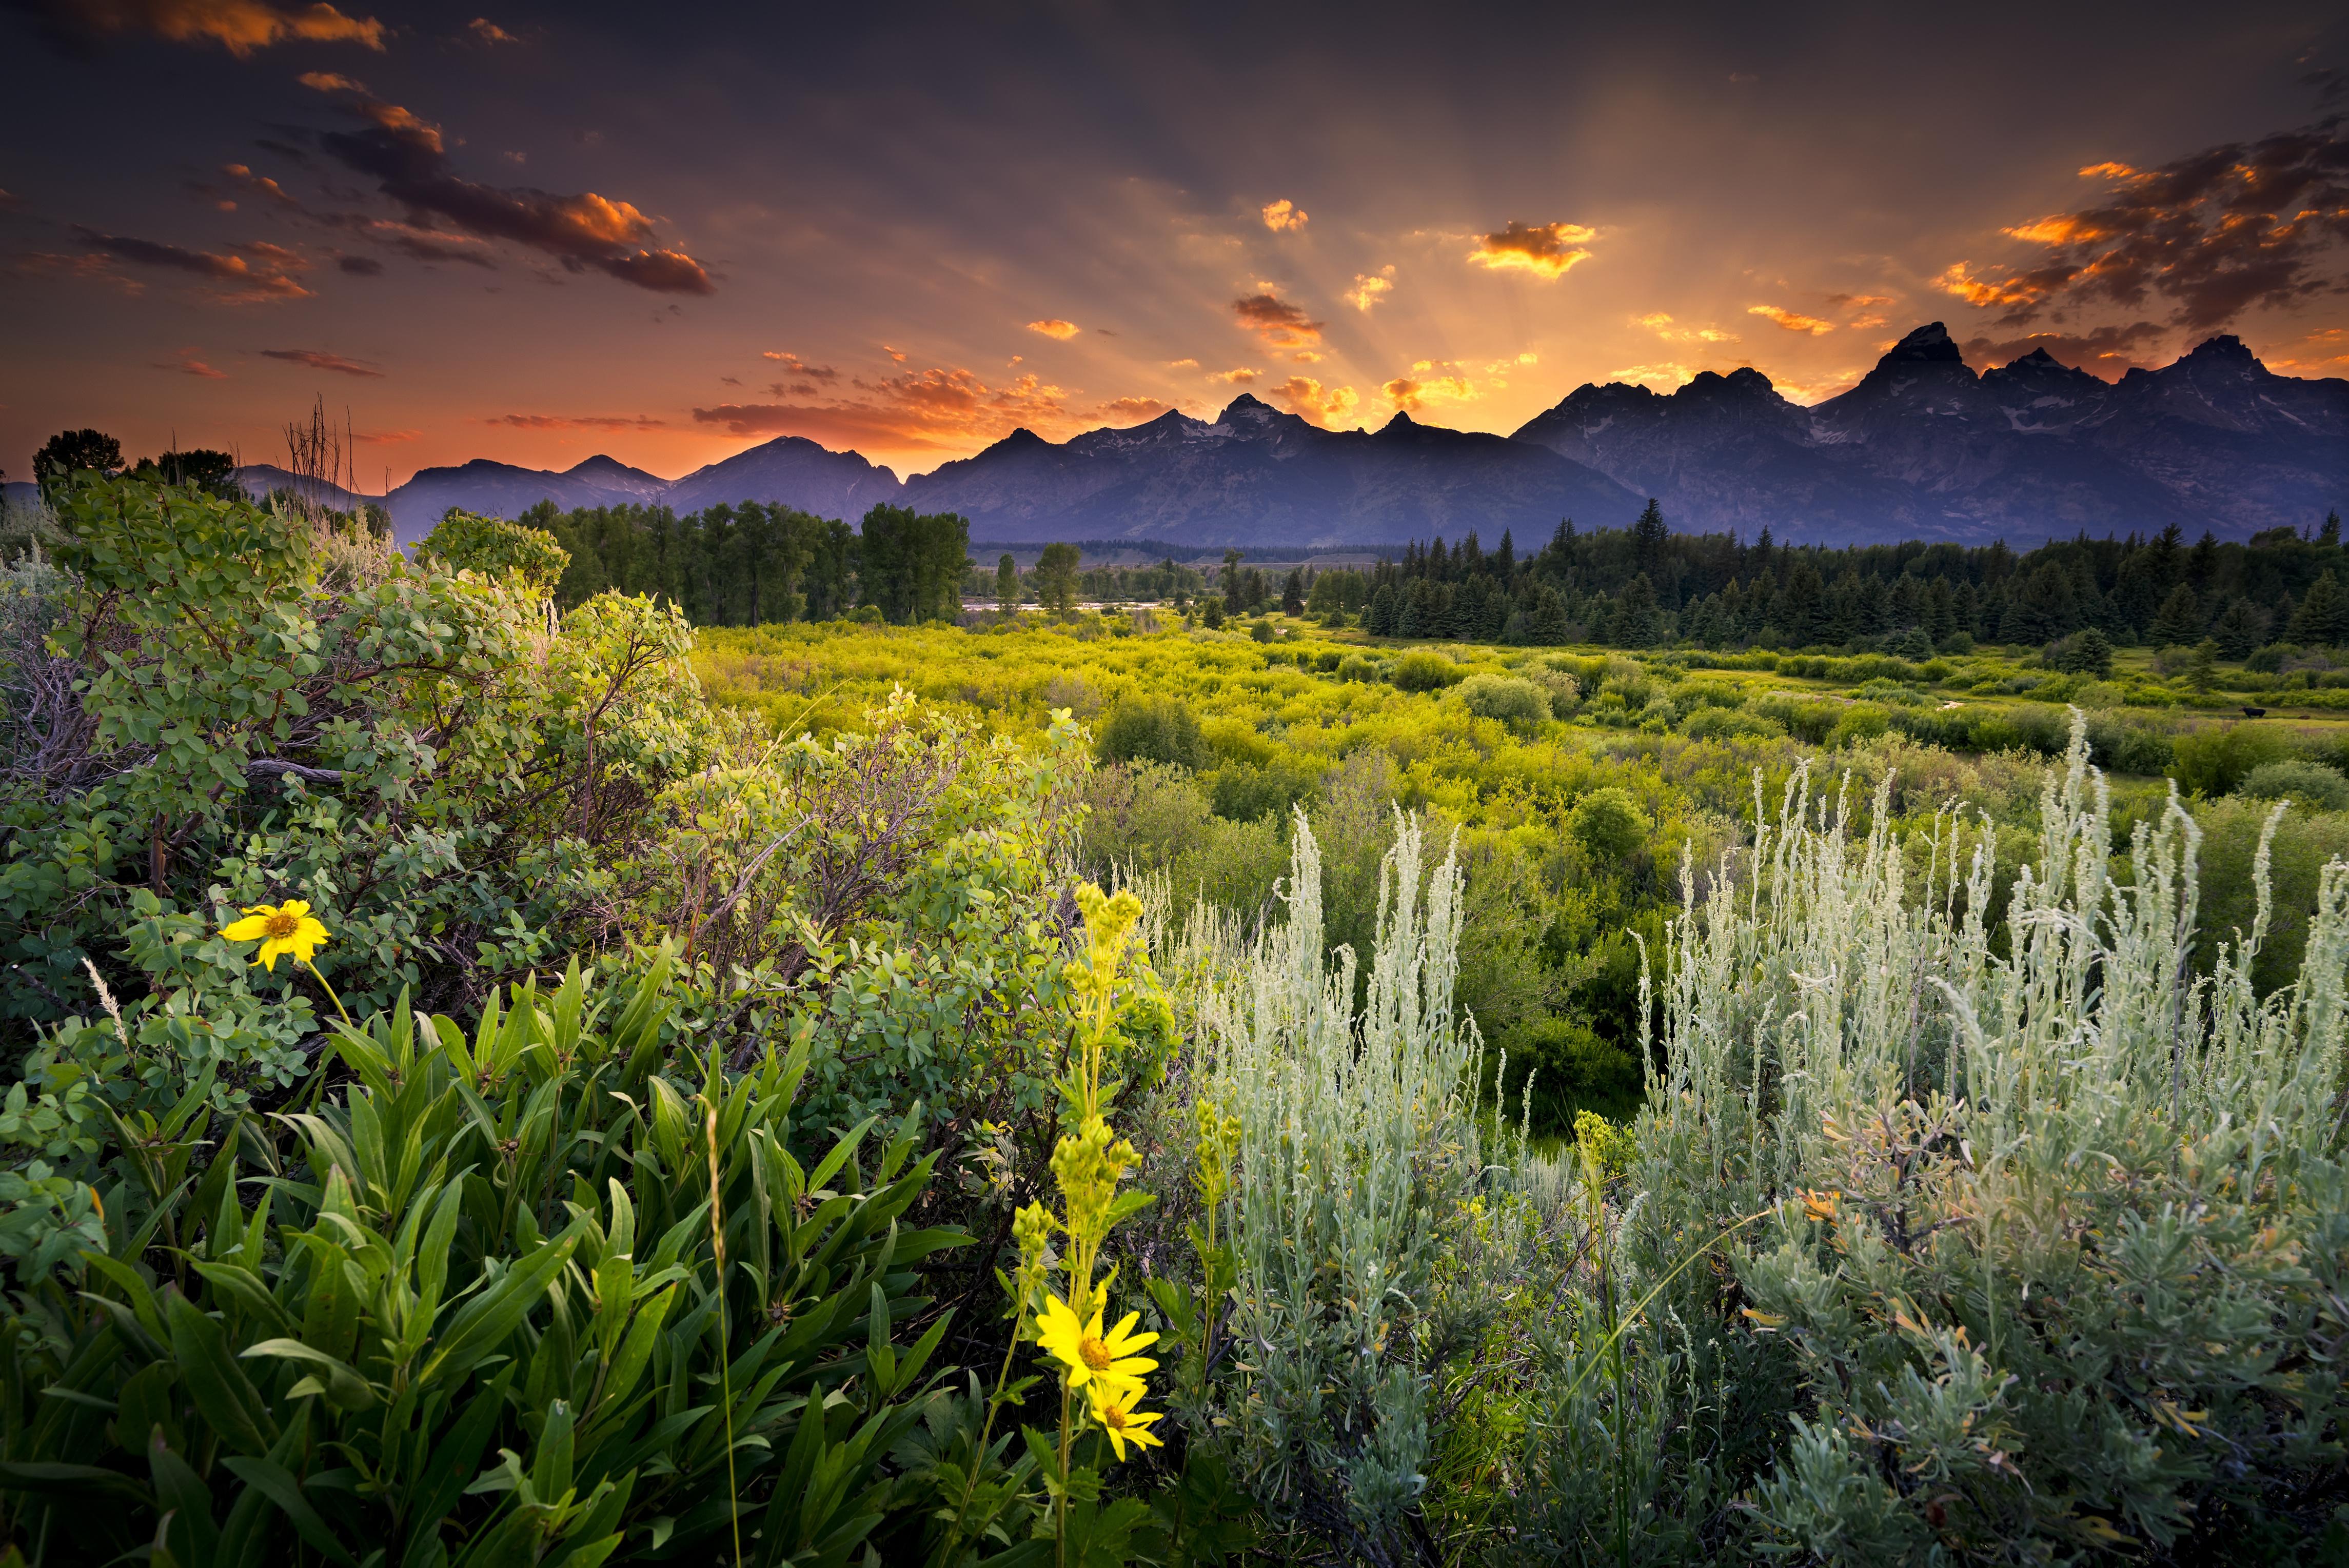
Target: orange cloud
{"x": 2222, "y": 231}
{"x": 240, "y": 27}
{"x": 1370, "y": 287}
{"x": 1867, "y": 321}
{"x": 1310, "y": 401}
{"x": 1957, "y": 278}
{"x": 238, "y": 280}
{"x": 1241, "y": 376}
{"x": 1859, "y": 302}
{"x": 1053, "y": 327}
{"x": 1793, "y": 320}
{"x": 186, "y": 364}
{"x": 316, "y": 360}
{"x": 409, "y": 158}
{"x": 798, "y": 367}
{"x": 1279, "y": 323}
{"x": 1670, "y": 373}
{"x": 384, "y": 438}
{"x": 1664, "y": 326}
{"x": 1546, "y": 250}
{"x": 1129, "y": 410}
{"x": 1182, "y": 365}
{"x": 939, "y": 409}
{"x": 577, "y": 422}
{"x": 488, "y": 32}
{"x": 1420, "y": 387}
{"x": 1283, "y": 215}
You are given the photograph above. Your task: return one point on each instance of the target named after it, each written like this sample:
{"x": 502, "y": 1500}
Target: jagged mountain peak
{"x": 1928, "y": 344}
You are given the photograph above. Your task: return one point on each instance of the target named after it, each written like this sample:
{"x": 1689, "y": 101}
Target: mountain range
{"x": 1922, "y": 447}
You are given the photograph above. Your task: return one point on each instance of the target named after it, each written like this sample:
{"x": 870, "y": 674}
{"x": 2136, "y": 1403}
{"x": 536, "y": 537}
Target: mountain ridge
{"x": 1921, "y": 447}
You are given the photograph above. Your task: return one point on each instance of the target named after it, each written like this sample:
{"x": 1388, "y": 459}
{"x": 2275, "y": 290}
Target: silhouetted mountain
{"x": 1258, "y": 476}
{"x": 791, "y": 470}
{"x": 262, "y": 480}
{"x": 1922, "y": 447}
{"x": 611, "y": 474}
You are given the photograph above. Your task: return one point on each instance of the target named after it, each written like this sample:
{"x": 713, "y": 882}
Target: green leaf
{"x": 225, "y": 1398}
{"x": 344, "y": 1388}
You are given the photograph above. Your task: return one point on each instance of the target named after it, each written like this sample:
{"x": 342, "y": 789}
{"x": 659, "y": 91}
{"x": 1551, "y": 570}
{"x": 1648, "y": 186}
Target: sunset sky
{"x": 670, "y": 232}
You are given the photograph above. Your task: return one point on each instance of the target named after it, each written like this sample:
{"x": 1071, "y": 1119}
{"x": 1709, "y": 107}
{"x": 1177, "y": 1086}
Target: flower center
{"x": 281, "y": 926}
{"x": 1095, "y": 1354}
{"x": 1115, "y": 1416}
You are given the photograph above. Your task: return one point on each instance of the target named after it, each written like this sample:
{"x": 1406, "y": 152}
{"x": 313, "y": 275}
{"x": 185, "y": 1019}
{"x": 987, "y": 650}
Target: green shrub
{"x": 1608, "y": 823}
{"x": 465, "y": 542}
{"x": 1355, "y": 667}
{"x": 1572, "y": 1071}
{"x": 494, "y": 1246}
{"x": 1994, "y": 1345}
{"x": 2214, "y": 760}
{"x": 1858, "y": 723}
{"x": 1151, "y": 730}
{"x": 1244, "y": 793}
{"x": 1725, "y": 723}
{"x": 245, "y": 707}
{"x": 2311, "y": 785}
{"x": 1423, "y": 669}
{"x": 1515, "y": 702}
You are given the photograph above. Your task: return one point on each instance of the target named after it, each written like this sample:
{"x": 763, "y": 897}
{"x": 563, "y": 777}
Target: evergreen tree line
{"x": 1643, "y": 586}
{"x": 753, "y": 563}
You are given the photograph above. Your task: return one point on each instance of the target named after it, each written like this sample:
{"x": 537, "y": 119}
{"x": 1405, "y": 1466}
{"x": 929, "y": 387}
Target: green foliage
{"x": 1056, "y": 579}
{"x": 910, "y": 565}
{"x": 69, "y": 453}
{"x": 237, "y": 709}
{"x": 2215, "y": 761}
{"x": 2006, "y": 1360}
{"x": 1423, "y": 669}
{"x": 498, "y": 550}
{"x": 2311, "y": 785}
{"x": 1151, "y": 730}
{"x": 483, "y": 1277}
{"x": 1518, "y": 703}
{"x": 1608, "y": 824}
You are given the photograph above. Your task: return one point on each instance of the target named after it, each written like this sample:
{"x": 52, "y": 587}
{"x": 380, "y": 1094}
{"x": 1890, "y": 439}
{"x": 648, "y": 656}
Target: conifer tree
{"x": 1007, "y": 585}
{"x": 2240, "y": 628}
{"x": 2179, "y": 622}
{"x": 2322, "y": 617}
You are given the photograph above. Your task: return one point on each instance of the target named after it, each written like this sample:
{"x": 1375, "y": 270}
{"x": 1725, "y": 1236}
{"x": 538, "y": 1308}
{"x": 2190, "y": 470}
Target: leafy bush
{"x": 1151, "y": 730}
{"x": 2007, "y": 1357}
{"x": 1423, "y": 669}
{"x": 1518, "y": 703}
{"x": 465, "y": 542}
{"x": 2309, "y": 784}
{"x": 1354, "y": 1153}
{"x": 2215, "y": 760}
{"x": 549, "y": 1303}
{"x": 1607, "y": 822}
{"x": 239, "y": 705}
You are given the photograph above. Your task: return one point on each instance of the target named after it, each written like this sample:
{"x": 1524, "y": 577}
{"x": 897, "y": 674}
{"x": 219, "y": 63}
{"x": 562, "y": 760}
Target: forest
{"x": 611, "y": 1037}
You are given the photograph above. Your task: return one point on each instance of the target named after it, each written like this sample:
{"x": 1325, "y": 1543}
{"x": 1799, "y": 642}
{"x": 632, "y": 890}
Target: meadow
{"x": 502, "y": 1073}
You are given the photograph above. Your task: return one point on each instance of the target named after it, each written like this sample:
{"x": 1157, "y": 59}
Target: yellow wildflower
{"x": 1126, "y": 1423}
{"x": 281, "y": 929}
{"x": 1094, "y": 1359}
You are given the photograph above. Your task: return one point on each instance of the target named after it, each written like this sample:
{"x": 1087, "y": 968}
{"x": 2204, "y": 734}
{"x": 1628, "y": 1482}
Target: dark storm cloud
{"x": 360, "y": 266}
{"x": 2217, "y": 232}
{"x": 240, "y": 27}
{"x": 408, "y": 159}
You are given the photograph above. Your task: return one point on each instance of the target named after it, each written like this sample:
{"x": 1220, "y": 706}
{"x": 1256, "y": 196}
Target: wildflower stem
{"x": 329, "y": 990}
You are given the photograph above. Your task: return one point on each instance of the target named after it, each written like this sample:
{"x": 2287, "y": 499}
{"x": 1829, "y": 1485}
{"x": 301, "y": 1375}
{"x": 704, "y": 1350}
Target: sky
{"x": 668, "y": 233}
